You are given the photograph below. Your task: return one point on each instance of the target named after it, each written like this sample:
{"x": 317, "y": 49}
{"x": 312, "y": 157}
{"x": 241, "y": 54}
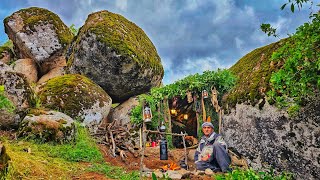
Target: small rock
{"x": 184, "y": 173}
{"x": 174, "y": 174}
{"x": 208, "y": 172}
{"x": 158, "y": 173}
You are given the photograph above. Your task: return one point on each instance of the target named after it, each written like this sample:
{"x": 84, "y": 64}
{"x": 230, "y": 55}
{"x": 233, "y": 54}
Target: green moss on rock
{"x": 71, "y": 94}
{"x": 36, "y": 16}
{"x": 253, "y": 71}
{"x": 124, "y": 37}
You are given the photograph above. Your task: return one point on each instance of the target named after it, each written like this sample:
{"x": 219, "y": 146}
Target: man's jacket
{"x": 205, "y": 147}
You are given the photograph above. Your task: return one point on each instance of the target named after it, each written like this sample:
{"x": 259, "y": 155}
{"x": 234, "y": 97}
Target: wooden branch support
{"x": 185, "y": 149}
{"x": 165, "y": 133}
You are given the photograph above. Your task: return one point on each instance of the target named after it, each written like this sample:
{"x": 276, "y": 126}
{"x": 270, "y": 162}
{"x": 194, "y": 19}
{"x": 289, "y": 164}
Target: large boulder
{"x": 47, "y": 126}
{"x": 8, "y": 119}
{"x": 76, "y": 96}
{"x": 16, "y": 87}
{"x": 121, "y": 113}
{"x": 28, "y": 68}
{"x": 37, "y": 34}
{"x": 269, "y": 138}
{"x": 58, "y": 71}
{"x": 116, "y": 54}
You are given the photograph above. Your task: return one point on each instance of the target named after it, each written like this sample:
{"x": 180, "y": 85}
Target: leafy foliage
{"x": 300, "y": 74}
{"x": 223, "y": 80}
{"x": 73, "y": 29}
{"x": 5, "y": 103}
{"x": 252, "y": 175}
{"x": 269, "y": 30}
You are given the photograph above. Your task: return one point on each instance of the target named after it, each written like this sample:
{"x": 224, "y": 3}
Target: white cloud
{"x": 122, "y": 4}
{"x": 239, "y": 43}
{"x": 223, "y": 11}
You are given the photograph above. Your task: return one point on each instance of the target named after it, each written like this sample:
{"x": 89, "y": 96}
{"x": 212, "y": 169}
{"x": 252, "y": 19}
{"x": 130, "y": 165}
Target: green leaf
{"x": 283, "y": 6}
{"x": 292, "y": 8}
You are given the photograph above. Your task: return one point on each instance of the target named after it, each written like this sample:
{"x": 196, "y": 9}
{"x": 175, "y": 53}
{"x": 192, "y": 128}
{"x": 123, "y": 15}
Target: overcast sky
{"x": 191, "y": 36}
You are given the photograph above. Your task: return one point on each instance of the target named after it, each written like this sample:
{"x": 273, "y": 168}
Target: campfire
{"x": 172, "y": 166}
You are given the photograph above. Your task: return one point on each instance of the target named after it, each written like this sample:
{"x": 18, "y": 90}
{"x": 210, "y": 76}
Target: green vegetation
{"x": 252, "y": 175}
{"x": 30, "y": 160}
{"x": 114, "y": 172}
{"x": 124, "y": 37}
{"x": 5, "y": 103}
{"x": 300, "y": 75}
{"x": 71, "y": 93}
{"x": 253, "y": 71}
{"x": 223, "y": 80}
{"x": 35, "y": 16}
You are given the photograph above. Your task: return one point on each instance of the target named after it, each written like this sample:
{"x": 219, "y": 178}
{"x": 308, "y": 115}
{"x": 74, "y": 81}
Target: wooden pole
{"x": 185, "y": 149}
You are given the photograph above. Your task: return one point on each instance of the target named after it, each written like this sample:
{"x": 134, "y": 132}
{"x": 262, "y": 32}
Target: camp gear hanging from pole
{"x": 204, "y": 115}
{"x": 147, "y": 114}
{"x": 189, "y": 96}
{"x": 214, "y": 101}
{"x": 197, "y": 109}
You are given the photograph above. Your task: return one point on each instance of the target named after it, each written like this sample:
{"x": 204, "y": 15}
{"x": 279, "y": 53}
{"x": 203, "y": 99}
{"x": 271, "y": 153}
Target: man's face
{"x": 207, "y": 130}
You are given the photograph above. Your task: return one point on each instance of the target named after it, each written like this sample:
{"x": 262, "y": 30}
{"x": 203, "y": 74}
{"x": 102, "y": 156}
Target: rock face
{"x": 28, "y": 68}
{"x": 37, "y": 34}
{"x": 48, "y": 126}
{"x": 8, "y": 119}
{"x": 58, "y": 71}
{"x": 116, "y": 54}
{"x": 4, "y": 158}
{"x": 76, "y": 96}
{"x": 121, "y": 113}
{"x": 269, "y": 137}
{"x": 16, "y": 88}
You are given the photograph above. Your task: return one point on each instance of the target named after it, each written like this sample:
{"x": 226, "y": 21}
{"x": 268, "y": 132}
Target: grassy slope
{"x": 48, "y": 161}
{"x": 253, "y": 71}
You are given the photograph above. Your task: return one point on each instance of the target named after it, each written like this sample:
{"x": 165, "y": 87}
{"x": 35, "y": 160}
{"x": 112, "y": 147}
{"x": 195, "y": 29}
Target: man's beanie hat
{"x": 207, "y": 124}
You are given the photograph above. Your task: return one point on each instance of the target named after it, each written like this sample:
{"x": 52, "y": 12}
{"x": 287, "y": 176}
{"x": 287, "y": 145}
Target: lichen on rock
{"x": 48, "y": 126}
{"x": 116, "y": 54}
{"x": 76, "y": 96}
{"x": 37, "y": 33}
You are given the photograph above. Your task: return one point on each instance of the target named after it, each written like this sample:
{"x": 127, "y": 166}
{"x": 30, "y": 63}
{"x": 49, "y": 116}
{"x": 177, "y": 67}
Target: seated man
{"x": 212, "y": 151}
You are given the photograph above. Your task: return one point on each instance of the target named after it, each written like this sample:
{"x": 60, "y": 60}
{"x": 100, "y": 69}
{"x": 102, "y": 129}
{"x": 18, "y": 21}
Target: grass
{"x": 50, "y": 161}
{"x": 253, "y": 175}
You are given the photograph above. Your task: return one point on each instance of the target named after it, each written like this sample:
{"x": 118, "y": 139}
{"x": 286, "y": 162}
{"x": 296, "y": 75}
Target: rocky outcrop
{"x": 48, "y": 126}
{"x": 28, "y": 68}
{"x": 121, "y": 113}
{"x": 76, "y": 96}
{"x": 268, "y": 137}
{"x": 5, "y": 54}
{"x": 37, "y": 34}
{"x": 116, "y": 54}
{"x": 17, "y": 88}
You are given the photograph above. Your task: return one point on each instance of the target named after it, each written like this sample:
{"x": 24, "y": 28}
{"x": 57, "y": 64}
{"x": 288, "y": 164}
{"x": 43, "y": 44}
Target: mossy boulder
{"x": 37, "y": 34}
{"x": 76, "y": 96}
{"x": 116, "y": 54}
{"x": 253, "y": 71}
{"x": 48, "y": 126}
{"x": 16, "y": 88}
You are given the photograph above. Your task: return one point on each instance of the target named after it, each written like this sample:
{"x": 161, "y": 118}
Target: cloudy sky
{"x": 191, "y": 36}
